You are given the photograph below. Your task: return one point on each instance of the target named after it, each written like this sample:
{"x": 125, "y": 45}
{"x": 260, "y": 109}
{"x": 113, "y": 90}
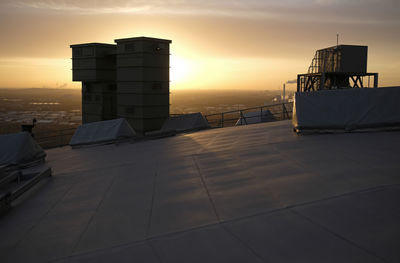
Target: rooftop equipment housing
{"x": 341, "y": 103}
{"x": 337, "y": 67}
{"x": 143, "y": 82}
{"x": 128, "y": 80}
{"x": 94, "y": 64}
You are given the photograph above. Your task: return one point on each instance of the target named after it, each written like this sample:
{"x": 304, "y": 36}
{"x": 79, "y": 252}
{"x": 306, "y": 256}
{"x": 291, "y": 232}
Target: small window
{"x": 88, "y": 51}
{"x": 77, "y": 52}
{"x": 130, "y": 47}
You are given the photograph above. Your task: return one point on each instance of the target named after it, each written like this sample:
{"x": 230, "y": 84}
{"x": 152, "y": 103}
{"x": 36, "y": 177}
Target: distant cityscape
{"x": 57, "y": 109}
{"x": 43, "y": 117}
{"x": 210, "y": 102}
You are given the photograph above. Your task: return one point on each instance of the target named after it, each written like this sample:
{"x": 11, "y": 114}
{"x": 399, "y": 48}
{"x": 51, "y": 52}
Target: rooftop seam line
{"x": 45, "y": 214}
{"x": 371, "y": 189}
{"x": 266, "y": 212}
{"x": 205, "y": 186}
{"x": 138, "y": 242}
{"x": 158, "y": 256}
{"x": 247, "y": 246}
{"x": 94, "y": 213}
{"x": 338, "y": 235}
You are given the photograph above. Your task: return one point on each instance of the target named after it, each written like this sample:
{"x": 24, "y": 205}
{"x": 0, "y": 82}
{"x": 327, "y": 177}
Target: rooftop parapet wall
{"x": 347, "y": 109}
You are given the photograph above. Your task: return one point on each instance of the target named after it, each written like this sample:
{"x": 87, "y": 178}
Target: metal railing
{"x": 273, "y": 112}
{"x": 55, "y": 138}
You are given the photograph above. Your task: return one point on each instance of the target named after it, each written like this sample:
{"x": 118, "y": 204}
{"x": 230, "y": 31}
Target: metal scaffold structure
{"x": 338, "y": 67}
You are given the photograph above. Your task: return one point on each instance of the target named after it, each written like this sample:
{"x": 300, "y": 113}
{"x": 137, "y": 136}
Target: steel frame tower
{"x": 338, "y": 67}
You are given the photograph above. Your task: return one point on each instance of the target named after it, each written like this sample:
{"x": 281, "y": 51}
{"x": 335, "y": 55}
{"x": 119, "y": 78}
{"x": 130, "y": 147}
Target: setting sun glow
{"x": 181, "y": 70}
{"x": 215, "y": 44}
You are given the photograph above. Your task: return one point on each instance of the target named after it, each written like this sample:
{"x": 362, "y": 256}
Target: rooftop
{"x": 255, "y": 193}
{"x": 143, "y": 39}
{"x": 94, "y": 44}
{"x": 339, "y": 46}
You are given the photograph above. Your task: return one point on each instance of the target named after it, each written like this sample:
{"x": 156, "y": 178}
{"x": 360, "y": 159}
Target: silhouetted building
{"x": 128, "y": 80}
{"x": 94, "y": 65}
{"x": 337, "y": 67}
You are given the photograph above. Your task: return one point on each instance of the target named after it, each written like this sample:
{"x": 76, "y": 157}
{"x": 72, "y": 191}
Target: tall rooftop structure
{"x": 128, "y": 80}
{"x": 337, "y": 67}
{"x": 143, "y": 82}
{"x": 94, "y": 65}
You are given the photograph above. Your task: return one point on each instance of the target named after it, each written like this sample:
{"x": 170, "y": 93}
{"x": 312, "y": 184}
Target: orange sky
{"x": 235, "y": 44}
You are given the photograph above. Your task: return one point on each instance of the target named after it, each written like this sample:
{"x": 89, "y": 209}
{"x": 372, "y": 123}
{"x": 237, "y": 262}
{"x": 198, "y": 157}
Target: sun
{"x": 181, "y": 70}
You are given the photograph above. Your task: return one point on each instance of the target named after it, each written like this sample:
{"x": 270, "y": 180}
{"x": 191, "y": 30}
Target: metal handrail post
{"x": 243, "y": 117}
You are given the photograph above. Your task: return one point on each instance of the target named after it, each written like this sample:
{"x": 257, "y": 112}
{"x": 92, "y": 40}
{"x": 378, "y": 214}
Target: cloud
{"x": 85, "y": 7}
{"x": 221, "y": 8}
{"x": 320, "y": 11}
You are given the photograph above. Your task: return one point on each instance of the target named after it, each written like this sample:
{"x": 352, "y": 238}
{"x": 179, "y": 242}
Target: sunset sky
{"x": 235, "y": 44}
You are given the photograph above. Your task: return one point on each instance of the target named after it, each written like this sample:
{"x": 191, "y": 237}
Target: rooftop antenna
{"x": 337, "y": 39}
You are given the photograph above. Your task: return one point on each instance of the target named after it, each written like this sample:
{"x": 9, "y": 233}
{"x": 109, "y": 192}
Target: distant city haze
{"x": 60, "y": 109}
{"x": 224, "y": 44}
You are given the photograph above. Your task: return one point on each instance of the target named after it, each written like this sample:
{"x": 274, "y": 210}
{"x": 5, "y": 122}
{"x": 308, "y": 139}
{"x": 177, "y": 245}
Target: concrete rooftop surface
{"x": 256, "y": 193}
